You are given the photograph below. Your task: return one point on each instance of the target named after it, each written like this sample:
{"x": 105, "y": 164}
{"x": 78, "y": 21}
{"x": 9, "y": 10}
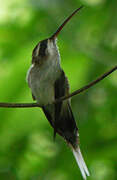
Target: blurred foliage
{"x": 88, "y": 47}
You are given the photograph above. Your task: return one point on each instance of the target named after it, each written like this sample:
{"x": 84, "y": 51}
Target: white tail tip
{"x": 81, "y": 163}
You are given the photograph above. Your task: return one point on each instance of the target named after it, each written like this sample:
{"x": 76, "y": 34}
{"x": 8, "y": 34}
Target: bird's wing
{"x": 61, "y": 89}
{"x": 64, "y": 120}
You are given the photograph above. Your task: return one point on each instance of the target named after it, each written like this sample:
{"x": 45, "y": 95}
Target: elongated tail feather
{"x": 81, "y": 163}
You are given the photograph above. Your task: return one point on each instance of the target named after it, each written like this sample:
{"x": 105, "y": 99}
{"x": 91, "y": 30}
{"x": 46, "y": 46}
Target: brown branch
{"x": 88, "y": 85}
{"x": 29, "y": 105}
{"x": 18, "y": 105}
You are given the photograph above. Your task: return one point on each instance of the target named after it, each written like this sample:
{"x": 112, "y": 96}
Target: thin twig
{"x": 18, "y": 105}
{"x": 29, "y": 105}
{"x": 88, "y": 85}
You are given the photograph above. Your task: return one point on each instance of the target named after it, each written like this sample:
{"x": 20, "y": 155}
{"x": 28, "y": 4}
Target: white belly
{"x": 41, "y": 81}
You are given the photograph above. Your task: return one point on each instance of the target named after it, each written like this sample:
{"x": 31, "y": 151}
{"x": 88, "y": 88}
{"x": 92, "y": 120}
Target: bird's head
{"x": 48, "y": 48}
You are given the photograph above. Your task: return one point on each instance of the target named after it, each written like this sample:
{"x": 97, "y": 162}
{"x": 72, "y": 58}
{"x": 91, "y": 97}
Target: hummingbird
{"x": 48, "y": 82}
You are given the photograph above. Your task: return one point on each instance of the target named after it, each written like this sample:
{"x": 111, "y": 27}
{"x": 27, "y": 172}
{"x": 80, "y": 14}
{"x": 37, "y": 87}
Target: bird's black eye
{"x": 43, "y": 46}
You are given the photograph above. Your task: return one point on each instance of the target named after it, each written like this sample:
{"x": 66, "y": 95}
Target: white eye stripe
{"x": 37, "y": 50}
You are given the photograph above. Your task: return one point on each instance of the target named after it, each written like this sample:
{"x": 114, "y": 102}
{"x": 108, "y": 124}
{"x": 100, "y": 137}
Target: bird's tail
{"x": 80, "y": 161}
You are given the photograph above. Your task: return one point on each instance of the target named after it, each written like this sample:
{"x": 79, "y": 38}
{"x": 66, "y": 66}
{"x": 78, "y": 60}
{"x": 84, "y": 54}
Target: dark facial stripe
{"x": 43, "y": 46}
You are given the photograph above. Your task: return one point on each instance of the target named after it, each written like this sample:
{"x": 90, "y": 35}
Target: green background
{"x": 88, "y": 47}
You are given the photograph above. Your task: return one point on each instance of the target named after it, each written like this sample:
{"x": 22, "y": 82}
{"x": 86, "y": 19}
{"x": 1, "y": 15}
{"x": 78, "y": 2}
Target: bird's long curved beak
{"x": 54, "y": 36}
